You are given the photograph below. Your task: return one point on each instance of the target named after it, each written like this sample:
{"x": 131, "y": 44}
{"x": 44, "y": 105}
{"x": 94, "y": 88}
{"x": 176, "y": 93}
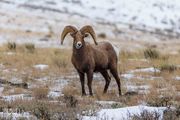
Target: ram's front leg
{"x": 89, "y": 82}
{"x": 81, "y": 75}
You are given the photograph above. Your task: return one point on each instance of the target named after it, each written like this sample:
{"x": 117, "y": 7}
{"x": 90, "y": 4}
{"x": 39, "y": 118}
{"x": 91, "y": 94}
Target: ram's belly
{"x": 101, "y": 62}
{"x": 101, "y": 66}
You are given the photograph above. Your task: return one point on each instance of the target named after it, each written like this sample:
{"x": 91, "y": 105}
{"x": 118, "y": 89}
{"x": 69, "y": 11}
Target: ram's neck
{"x": 80, "y": 54}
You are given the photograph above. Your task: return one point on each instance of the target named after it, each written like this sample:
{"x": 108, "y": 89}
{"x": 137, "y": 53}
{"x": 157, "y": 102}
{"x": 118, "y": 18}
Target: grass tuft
{"x": 11, "y": 45}
{"x": 30, "y": 47}
{"x": 40, "y": 92}
{"x": 145, "y": 115}
{"x": 168, "y": 67}
{"x": 151, "y": 53}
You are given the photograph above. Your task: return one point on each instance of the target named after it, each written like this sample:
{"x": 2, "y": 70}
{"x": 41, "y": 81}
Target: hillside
{"x": 41, "y": 21}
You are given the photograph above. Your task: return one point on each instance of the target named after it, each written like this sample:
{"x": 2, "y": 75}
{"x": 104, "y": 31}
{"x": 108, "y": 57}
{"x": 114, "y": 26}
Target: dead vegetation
{"x": 40, "y": 92}
{"x": 163, "y": 88}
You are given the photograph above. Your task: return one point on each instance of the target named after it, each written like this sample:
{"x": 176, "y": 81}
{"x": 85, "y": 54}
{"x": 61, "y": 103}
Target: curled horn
{"x": 67, "y": 29}
{"x": 89, "y": 29}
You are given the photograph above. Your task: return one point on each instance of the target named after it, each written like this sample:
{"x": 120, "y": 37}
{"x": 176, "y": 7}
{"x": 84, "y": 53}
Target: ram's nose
{"x": 78, "y": 45}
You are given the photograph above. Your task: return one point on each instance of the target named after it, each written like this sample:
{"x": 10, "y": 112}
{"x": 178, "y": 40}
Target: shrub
{"x": 60, "y": 62}
{"x": 44, "y": 110}
{"x": 159, "y": 101}
{"x": 2, "y": 105}
{"x": 41, "y": 111}
{"x": 30, "y": 47}
{"x": 40, "y": 92}
{"x": 70, "y": 101}
{"x": 11, "y": 45}
{"x": 170, "y": 114}
{"x": 178, "y": 111}
{"x": 145, "y": 115}
{"x": 151, "y": 53}
{"x": 116, "y": 105}
{"x": 102, "y": 35}
{"x": 168, "y": 67}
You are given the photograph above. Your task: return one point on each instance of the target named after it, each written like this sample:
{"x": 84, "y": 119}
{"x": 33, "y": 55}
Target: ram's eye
{"x": 86, "y": 35}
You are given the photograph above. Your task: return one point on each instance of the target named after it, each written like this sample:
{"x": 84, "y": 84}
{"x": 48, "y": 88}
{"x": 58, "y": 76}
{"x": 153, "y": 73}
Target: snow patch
{"x": 106, "y": 102}
{"x": 10, "y": 98}
{"x": 15, "y": 80}
{"x": 178, "y": 66}
{"x": 54, "y": 94}
{"x": 41, "y": 66}
{"x": 124, "y": 113}
{"x": 57, "y": 87}
{"x": 142, "y": 60}
{"x": 151, "y": 69}
{"x": 16, "y": 116}
{"x": 143, "y": 89}
{"x": 9, "y": 53}
{"x": 128, "y": 76}
{"x": 177, "y": 78}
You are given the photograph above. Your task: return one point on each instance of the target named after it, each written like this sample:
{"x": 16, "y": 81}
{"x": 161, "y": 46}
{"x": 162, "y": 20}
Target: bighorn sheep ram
{"x": 88, "y": 58}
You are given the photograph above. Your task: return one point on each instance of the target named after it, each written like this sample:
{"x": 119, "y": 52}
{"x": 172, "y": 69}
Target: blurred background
{"x": 127, "y": 23}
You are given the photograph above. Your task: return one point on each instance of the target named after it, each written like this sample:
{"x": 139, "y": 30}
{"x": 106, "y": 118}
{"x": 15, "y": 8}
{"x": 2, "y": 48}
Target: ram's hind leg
{"x": 107, "y": 78}
{"x": 113, "y": 70}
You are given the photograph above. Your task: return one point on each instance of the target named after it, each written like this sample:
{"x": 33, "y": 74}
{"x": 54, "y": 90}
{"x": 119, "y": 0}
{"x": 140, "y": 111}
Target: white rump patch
{"x": 117, "y": 49}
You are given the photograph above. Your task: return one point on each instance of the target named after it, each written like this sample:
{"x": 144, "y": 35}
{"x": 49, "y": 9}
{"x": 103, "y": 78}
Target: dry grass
{"x": 162, "y": 92}
{"x": 26, "y": 56}
{"x": 11, "y": 45}
{"x": 18, "y": 90}
{"x": 40, "y": 92}
{"x": 42, "y": 110}
{"x": 71, "y": 90}
{"x": 30, "y": 47}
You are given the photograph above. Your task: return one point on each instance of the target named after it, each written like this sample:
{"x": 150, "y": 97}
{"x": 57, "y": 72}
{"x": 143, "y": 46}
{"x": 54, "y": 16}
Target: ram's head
{"x": 78, "y": 35}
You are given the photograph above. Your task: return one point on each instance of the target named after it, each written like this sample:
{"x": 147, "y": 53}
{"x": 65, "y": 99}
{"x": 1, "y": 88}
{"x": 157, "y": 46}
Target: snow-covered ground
{"x": 125, "y": 113}
{"x": 16, "y": 116}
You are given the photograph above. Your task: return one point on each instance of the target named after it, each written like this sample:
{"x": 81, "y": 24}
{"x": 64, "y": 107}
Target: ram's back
{"x": 104, "y": 55}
